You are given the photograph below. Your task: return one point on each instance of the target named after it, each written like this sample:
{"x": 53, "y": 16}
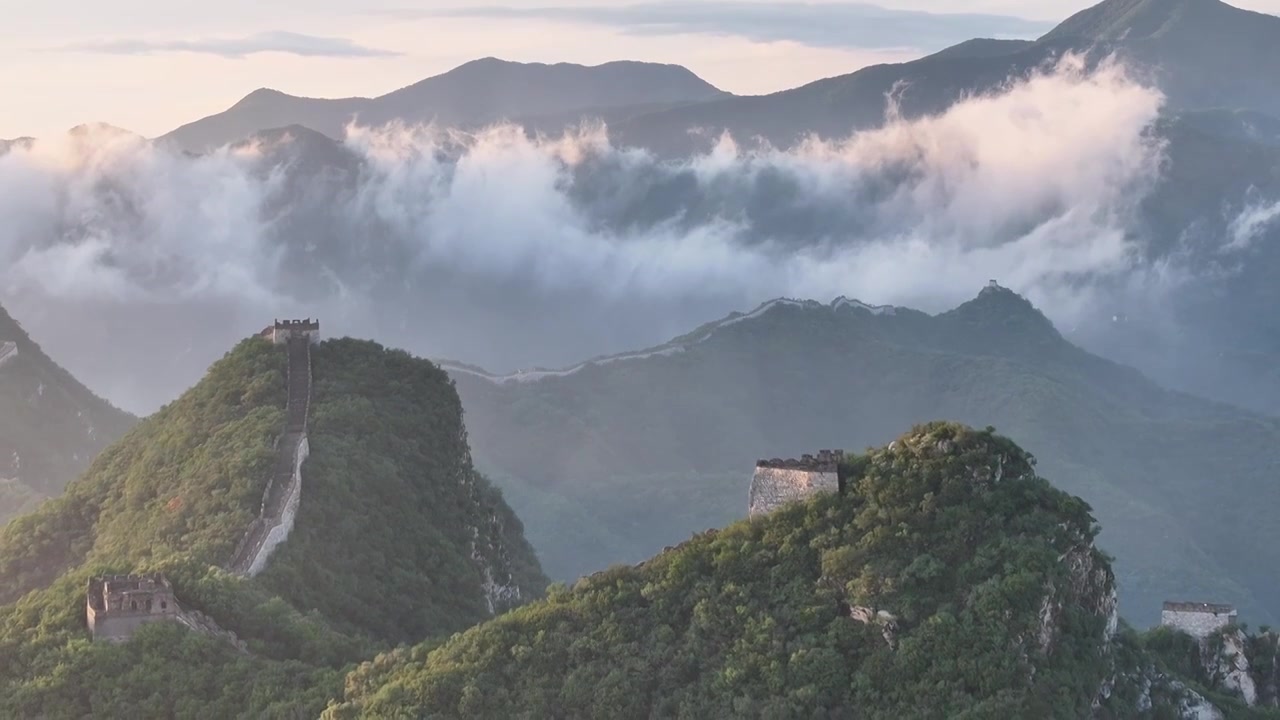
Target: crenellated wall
{"x": 778, "y": 482}
{"x": 279, "y": 532}
{"x": 283, "y": 495}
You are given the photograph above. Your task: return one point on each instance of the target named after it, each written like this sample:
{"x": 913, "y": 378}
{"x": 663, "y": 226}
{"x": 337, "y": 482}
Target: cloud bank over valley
{"x": 508, "y": 251}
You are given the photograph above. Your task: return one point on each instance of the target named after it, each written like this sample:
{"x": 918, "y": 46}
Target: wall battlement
{"x": 282, "y": 331}
{"x": 778, "y": 482}
{"x": 824, "y": 461}
{"x": 1198, "y": 620}
{"x": 117, "y": 605}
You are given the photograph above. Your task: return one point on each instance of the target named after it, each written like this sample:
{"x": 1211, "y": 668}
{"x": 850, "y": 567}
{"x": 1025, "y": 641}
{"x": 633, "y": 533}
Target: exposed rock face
{"x": 1228, "y": 668}
{"x": 1156, "y": 695}
{"x": 1089, "y": 584}
{"x": 886, "y": 621}
{"x": 490, "y": 551}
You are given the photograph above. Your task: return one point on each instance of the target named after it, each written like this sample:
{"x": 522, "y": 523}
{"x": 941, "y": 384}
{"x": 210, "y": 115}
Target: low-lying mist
{"x": 137, "y": 265}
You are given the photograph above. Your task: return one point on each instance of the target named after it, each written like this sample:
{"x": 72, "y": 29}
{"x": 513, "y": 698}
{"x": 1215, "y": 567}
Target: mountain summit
{"x": 1144, "y": 20}
{"x": 1204, "y": 53}
{"x": 396, "y": 539}
{"x": 618, "y": 457}
{"x": 476, "y": 93}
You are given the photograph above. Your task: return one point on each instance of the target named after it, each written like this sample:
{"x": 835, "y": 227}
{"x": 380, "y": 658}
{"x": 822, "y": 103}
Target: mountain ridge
{"x": 397, "y": 539}
{"x": 473, "y": 94}
{"x": 685, "y": 424}
{"x": 51, "y": 425}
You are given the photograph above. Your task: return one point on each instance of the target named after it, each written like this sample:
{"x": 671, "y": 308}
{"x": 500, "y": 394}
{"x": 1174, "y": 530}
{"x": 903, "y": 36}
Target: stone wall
{"x": 1198, "y": 620}
{"x": 283, "y": 332}
{"x": 278, "y": 533}
{"x": 117, "y": 606}
{"x": 284, "y": 489}
{"x": 773, "y": 487}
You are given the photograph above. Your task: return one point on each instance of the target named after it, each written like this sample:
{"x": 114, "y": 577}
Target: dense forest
{"x": 921, "y": 592}
{"x": 948, "y": 580}
{"x": 617, "y": 460}
{"x": 395, "y": 541}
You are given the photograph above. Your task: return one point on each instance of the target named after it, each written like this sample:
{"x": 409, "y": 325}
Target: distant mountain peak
{"x": 1000, "y": 316}
{"x": 1119, "y": 20}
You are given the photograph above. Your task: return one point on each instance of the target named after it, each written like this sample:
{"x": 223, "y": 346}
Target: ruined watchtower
{"x": 282, "y": 331}
{"x": 1198, "y": 620}
{"x": 778, "y": 482}
{"x": 117, "y": 605}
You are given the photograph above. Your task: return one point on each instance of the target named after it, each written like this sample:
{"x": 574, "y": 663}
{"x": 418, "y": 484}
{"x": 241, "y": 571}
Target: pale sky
{"x": 151, "y": 65}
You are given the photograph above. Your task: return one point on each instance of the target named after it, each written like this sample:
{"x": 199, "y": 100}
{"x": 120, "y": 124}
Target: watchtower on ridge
{"x": 778, "y": 482}
{"x": 1197, "y": 619}
{"x": 282, "y": 331}
{"x": 117, "y": 605}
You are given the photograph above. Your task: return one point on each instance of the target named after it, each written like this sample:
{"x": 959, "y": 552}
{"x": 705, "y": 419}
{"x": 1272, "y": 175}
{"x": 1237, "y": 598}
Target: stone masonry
{"x": 282, "y": 331}
{"x": 1198, "y": 620}
{"x": 778, "y": 482}
{"x": 117, "y": 605}
{"x": 284, "y": 489}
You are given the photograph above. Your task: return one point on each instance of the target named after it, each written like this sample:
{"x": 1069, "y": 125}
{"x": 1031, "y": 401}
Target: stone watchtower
{"x": 282, "y": 331}
{"x": 778, "y": 482}
{"x": 1199, "y": 620}
{"x": 117, "y": 605}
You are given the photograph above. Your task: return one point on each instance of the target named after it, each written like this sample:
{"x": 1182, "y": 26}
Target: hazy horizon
{"x": 142, "y": 68}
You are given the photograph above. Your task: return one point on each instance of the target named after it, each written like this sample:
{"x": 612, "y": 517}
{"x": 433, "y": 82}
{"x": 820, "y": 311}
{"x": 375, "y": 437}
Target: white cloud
{"x": 1249, "y": 225}
{"x": 497, "y": 248}
{"x": 277, "y": 41}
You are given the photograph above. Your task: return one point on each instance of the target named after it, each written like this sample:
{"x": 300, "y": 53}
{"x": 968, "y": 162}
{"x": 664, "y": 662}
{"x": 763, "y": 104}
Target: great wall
{"x": 675, "y": 347}
{"x": 117, "y": 605}
{"x": 777, "y": 483}
{"x": 283, "y": 495}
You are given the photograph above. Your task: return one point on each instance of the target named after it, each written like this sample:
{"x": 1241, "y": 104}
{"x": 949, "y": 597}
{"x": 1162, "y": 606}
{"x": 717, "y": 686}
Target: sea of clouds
{"x": 137, "y": 265}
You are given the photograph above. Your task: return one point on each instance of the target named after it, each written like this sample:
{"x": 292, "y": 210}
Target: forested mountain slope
{"x": 618, "y": 458}
{"x": 397, "y": 540}
{"x": 948, "y": 581}
{"x": 51, "y": 426}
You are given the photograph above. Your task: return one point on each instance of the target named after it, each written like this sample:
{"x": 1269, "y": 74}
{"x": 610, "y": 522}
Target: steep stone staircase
{"x": 275, "y": 518}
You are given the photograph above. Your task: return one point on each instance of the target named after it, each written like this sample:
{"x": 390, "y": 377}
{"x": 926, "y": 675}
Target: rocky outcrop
{"x": 1147, "y": 692}
{"x": 886, "y": 621}
{"x": 1089, "y": 584}
{"x": 489, "y": 550}
{"x": 1227, "y": 665}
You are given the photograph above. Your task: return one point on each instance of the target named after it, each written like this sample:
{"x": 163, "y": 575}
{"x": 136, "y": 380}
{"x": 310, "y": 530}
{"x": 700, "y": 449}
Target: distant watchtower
{"x": 778, "y": 482}
{"x": 282, "y": 331}
{"x": 1198, "y": 620}
{"x": 117, "y": 605}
